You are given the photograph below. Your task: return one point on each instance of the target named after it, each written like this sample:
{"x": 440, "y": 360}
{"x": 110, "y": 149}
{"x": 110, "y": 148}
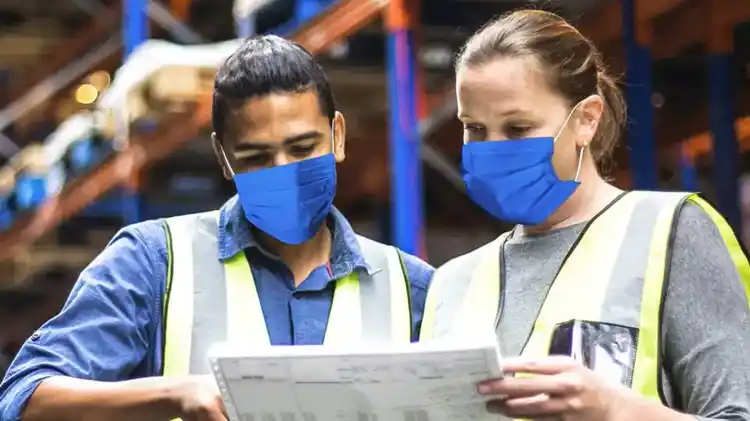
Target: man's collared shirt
{"x": 110, "y": 327}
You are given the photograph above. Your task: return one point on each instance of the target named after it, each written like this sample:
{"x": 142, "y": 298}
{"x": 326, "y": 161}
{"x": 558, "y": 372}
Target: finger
{"x": 214, "y": 414}
{"x": 530, "y": 407}
{"x": 217, "y": 416}
{"x": 502, "y": 407}
{"x": 221, "y": 408}
{"x": 513, "y": 387}
{"x": 546, "y": 365}
{"x": 549, "y": 418}
{"x": 537, "y": 406}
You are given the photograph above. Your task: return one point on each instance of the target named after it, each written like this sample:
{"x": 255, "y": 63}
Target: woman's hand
{"x": 560, "y": 388}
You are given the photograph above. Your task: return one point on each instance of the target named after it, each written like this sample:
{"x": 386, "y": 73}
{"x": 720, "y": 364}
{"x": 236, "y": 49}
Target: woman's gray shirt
{"x": 706, "y": 325}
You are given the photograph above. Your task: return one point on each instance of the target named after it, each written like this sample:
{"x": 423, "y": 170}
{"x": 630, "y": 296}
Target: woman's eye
{"x": 517, "y": 131}
{"x": 474, "y": 133}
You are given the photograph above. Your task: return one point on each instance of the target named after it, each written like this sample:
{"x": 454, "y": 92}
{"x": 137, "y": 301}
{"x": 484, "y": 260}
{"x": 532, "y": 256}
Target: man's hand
{"x": 198, "y": 399}
{"x": 191, "y": 398}
{"x": 560, "y": 388}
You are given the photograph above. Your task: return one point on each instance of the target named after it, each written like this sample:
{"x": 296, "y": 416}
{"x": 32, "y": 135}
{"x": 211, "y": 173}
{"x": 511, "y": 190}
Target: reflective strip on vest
{"x": 209, "y": 301}
{"x": 621, "y": 283}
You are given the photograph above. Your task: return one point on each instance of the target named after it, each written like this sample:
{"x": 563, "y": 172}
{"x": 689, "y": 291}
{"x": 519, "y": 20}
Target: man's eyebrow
{"x": 313, "y": 134}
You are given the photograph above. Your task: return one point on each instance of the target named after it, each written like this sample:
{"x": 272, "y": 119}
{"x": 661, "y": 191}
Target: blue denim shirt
{"x": 110, "y": 326}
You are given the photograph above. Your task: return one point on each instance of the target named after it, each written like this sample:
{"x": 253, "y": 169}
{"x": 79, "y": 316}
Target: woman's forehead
{"x": 506, "y": 85}
{"x": 503, "y": 75}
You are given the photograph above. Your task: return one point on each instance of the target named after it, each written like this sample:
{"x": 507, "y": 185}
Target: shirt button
{"x": 35, "y": 336}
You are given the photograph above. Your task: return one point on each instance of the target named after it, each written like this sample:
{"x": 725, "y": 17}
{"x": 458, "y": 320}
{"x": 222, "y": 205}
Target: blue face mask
{"x": 289, "y": 202}
{"x": 514, "y": 180}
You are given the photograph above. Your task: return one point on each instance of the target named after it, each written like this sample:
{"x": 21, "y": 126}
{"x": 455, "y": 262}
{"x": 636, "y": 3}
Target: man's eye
{"x": 302, "y": 150}
{"x": 259, "y": 159}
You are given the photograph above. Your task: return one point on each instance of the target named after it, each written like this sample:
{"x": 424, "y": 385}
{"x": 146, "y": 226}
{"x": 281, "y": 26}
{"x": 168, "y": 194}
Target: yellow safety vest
{"x": 614, "y": 273}
{"x": 209, "y": 301}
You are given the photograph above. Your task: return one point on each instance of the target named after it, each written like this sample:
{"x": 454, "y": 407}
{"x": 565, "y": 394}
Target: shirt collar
{"x": 236, "y": 235}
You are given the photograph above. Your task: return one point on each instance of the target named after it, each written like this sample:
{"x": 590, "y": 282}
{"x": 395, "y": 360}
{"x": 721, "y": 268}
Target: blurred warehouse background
{"x": 105, "y": 109}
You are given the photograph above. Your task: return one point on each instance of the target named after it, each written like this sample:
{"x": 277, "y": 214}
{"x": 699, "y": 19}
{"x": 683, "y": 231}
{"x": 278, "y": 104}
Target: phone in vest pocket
{"x": 608, "y": 349}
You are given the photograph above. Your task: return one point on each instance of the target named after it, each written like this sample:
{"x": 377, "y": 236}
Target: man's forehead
{"x": 281, "y": 106}
{"x": 275, "y": 117}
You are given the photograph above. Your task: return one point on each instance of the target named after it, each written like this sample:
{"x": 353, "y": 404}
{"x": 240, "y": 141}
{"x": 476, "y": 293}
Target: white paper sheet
{"x": 432, "y": 381}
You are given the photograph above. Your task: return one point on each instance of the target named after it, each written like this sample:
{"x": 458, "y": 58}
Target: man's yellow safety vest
{"x": 209, "y": 301}
{"x": 614, "y": 274}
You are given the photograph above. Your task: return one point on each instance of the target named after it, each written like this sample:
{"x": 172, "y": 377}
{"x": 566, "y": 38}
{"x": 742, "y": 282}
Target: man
{"x": 263, "y": 269}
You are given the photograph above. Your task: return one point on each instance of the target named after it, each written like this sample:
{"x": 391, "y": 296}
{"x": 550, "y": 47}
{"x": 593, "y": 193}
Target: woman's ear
{"x": 590, "y": 114}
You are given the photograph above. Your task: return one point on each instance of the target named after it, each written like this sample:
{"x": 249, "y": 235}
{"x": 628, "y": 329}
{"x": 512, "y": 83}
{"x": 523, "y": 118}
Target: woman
{"x": 644, "y": 293}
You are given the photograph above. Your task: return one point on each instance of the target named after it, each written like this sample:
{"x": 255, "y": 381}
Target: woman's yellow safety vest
{"x": 209, "y": 301}
{"x": 615, "y": 273}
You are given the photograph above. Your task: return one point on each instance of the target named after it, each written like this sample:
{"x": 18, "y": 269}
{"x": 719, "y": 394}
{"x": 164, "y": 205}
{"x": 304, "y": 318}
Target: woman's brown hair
{"x": 569, "y": 61}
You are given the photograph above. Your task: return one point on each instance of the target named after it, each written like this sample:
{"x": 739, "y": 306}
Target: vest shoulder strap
{"x": 387, "y": 283}
{"x": 381, "y": 256}
{"x": 736, "y": 251}
{"x": 452, "y": 285}
{"x": 188, "y": 237}
{"x": 180, "y": 232}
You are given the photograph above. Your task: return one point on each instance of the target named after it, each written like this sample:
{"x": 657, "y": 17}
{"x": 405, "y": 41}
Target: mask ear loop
{"x": 580, "y": 154}
{"x": 580, "y": 162}
{"x": 226, "y": 161}
{"x": 565, "y": 123}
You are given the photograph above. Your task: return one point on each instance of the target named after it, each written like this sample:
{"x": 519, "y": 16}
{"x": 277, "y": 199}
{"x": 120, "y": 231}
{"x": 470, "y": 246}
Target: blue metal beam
{"x": 406, "y": 166}
{"x": 726, "y": 149}
{"x": 135, "y": 32}
{"x": 245, "y": 26}
{"x": 307, "y": 9}
{"x": 688, "y": 173}
{"x": 135, "y": 24}
{"x": 640, "y": 133}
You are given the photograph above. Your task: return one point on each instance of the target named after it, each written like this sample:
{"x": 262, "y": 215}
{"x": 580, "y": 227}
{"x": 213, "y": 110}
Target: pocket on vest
{"x": 607, "y": 349}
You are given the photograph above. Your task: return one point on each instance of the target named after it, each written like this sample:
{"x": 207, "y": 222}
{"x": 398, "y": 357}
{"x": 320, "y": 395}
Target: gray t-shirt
{"x": 706, "y": 325}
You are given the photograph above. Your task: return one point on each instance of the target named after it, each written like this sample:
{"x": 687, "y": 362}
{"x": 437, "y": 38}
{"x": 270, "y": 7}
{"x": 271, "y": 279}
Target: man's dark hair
{"x": 263, "y": 65}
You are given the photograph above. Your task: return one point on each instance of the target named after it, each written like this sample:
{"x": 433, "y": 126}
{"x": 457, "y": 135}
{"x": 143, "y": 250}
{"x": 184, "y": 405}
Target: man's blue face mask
{"x": 514, "y": 180}
{"x": 289, "y": 202}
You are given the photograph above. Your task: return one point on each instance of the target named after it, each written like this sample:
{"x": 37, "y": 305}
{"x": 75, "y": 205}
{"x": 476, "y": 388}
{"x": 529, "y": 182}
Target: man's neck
{"x": 302, "y": 259}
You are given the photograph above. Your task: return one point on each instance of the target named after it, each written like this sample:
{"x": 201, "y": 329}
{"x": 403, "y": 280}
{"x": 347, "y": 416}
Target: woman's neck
{"x": 591, "y": 196}
{"x": 302, "y": 259}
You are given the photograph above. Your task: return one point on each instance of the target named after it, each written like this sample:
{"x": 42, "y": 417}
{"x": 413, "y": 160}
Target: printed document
{"x": 431, "y": 381}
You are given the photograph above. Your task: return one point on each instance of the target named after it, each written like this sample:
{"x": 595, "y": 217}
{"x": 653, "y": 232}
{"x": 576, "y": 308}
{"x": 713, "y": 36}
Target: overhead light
{"x": 339, "y": 50}
{"x": 100, "y": 79}
{"x": 438, "y": 56}
{"x": 86, "y": 94}
{"x": 657, "y": 100}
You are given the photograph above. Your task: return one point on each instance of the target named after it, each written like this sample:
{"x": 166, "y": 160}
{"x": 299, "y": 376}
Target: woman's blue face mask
{"x": 289, "y": 202}
{"x": 514, "y": 180}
